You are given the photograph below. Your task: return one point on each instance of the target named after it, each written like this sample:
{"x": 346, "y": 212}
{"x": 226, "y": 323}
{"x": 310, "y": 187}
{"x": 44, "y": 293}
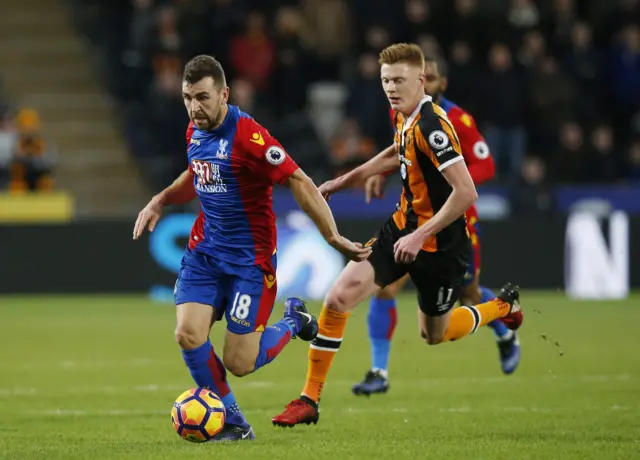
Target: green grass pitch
{"x": 94, "y": 378}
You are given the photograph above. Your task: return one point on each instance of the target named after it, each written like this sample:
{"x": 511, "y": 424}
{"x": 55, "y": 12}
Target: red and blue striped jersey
{"x": 235, "y": 167}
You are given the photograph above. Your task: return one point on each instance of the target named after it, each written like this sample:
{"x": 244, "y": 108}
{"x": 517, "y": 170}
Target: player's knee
{"x": 189, "y": 338}
{"x": 339, "y": 299}
{"x": 471, "y": 295}
{"x": 238, "y": 365}
{"x": 388, "y": 293}
{"x": 434, "y": 339}
{"x": 431, "y": 339}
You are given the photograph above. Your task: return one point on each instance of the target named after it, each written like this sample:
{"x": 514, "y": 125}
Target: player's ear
{"x": 444, "y": 83}
{"x": 225, "y": 95}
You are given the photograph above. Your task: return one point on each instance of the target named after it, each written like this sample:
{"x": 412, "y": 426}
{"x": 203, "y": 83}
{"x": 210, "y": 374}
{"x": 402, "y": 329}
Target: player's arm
{"x": 449, "y": 161}
{"x": 180, "y": 192}
{"x": 315, "y": 206}
{"x": 311, "y": 201}
{"x": 387, "y": 160}
{"x": 272, "y": 163}
{"x": 474, "y": 147}
{"x": 463, "y": 195}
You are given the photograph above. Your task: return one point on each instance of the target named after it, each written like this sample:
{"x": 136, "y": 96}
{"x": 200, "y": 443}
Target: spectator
{"x": 350, "y": 148}
{"x": 503, "y": 110}
{"x": 552, "y": 97}
{"x": 558, "y": 25}
{"x": 329, "y": 26}
{"x": 625, "y": 77}
{"x": 532, "y": 50}
{"x": 532, "y": 193}
{"x": 463, "y": 76}
{"x": 253, "y": 54}
{"x": 418, "y": 19}
{"x": 8, "y": 137}
{"x": 523, "y": 15}
{"x": 604, "y": 160}
{"x": 243, "y": 94}
{"x": 582, "y": 62}
{"x": 34, "y": 159}
{"x": 571, "y": 159}
{"x": 367, "y": 101}
{"x": 633, "y": 161}
{"x": 291, "y": 76}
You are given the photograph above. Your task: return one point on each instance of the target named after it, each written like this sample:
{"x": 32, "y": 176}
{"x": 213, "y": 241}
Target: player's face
{"x": 403, "y": 84}
{"x": 205, "y": 102}
{"x": 434, "y": 83}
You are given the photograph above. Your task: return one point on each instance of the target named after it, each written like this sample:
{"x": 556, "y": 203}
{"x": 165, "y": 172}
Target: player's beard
{"x": 201, "y": 120}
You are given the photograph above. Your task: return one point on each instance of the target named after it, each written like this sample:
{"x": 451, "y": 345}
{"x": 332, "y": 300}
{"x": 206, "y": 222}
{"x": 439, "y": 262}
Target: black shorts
{"x": 438, "y": 276}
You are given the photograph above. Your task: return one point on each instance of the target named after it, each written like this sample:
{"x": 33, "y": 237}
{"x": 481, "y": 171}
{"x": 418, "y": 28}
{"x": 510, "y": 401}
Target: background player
{"x": 229, "y": 266}
{"x": 382, "y": 316}
{"x": 426, "y": 237}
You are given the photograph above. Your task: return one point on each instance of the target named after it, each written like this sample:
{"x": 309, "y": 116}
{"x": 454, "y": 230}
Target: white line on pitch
{"x": 347, "y": 410}
{"x": 267, "y": 384}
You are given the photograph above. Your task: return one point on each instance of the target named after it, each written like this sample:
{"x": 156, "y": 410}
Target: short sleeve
{"x": 436, "y": 137}
{"x": 269, "y": 158}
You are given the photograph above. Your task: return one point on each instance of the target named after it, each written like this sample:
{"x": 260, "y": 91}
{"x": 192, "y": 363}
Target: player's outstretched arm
{"x": 382, "y": 162}
{"x": 311, "y": 201}
{"x": 180, "y": 192}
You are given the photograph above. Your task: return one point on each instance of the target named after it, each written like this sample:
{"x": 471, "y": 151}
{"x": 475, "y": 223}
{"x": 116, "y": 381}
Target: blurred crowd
{"x": 27, "y": 159}
{"x": 553, "y": 84}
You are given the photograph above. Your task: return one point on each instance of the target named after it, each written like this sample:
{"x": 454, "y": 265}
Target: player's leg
{"x": 455, "y": 324}
{"x": 474, "y": 294}
{"x": 199, "y": 303}
{"x": 439, "y": 278}
{"x": 249, "y": 343}
{"x": 381, "y": 321}
{"x": 356, "y": 282}
{"x": 506, "y": 339}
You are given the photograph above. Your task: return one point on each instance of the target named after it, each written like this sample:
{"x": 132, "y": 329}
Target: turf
{"x": 95, "y": 377}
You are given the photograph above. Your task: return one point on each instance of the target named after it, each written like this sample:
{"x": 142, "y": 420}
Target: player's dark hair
{"x": 204, "y": 66}
{"x": 440, "y": 62}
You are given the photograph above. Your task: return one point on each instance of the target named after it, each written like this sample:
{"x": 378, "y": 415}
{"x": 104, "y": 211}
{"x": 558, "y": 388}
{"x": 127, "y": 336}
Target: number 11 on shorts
{"x": 241, "y": 305}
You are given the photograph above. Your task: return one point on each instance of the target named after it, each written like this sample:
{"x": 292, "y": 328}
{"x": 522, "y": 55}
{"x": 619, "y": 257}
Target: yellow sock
{"x": 322, "y": 350}
{"x": 466, "y": 320}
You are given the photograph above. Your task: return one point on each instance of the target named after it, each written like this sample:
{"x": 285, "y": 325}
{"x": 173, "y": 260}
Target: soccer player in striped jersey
{"x": 382, "y": 316}
{"x": 426, "y": 237}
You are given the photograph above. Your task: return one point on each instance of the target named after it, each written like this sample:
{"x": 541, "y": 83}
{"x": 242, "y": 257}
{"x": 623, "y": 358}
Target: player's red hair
{"x": 409, "y": 53}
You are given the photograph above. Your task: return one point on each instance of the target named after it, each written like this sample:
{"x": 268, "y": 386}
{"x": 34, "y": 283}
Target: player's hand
{"x": 374, "y": 187}
{"x": 328, "y": 188}
{"x": 407, "y": 248}
{"x": 353, "y": 251}
{"x": 150, "y": 216}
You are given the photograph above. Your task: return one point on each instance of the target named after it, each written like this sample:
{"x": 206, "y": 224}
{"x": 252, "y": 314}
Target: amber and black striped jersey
{"x": 427, "y": 144}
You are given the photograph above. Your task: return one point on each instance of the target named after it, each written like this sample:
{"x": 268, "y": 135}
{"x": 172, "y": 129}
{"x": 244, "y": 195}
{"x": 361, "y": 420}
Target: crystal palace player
{"x": 382, "y": 308}
{"x": 426, "y": 237}
{"x": 229, "y": 266}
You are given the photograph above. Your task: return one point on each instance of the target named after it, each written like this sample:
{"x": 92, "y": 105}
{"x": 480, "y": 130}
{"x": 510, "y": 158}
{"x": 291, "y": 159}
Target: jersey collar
{"x": 409, "y": 121}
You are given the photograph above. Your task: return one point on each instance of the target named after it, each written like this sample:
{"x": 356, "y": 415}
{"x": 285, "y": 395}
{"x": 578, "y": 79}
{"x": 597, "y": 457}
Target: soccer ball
{"x": 198, "y": 415}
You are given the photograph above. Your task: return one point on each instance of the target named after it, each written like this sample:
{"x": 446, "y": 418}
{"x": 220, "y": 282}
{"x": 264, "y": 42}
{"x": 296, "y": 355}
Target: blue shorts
{"x": 473, "y": 270}
{"x": 244, "y": 294}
